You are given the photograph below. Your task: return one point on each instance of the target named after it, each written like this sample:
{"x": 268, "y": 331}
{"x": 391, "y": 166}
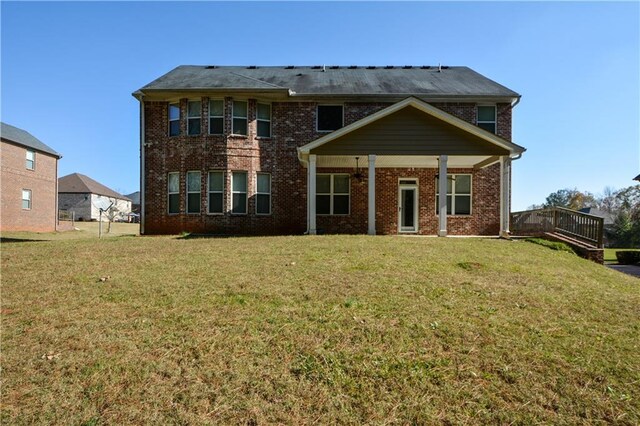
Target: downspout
{"x": 305, "y": 163}
{"x": 142, "y": 170}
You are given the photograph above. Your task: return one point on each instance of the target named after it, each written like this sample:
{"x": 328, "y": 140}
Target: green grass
{"x": 315, "y": 330}
{"x": 610, "y": 254}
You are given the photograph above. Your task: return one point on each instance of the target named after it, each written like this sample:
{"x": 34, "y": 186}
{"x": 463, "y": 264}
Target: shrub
{"x": 628, "y": 257}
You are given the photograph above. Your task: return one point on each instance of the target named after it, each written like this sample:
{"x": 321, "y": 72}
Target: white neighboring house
{"x": 83, "y": 196}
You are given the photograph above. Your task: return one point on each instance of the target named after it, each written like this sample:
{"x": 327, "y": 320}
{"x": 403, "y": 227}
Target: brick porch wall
{"x": 293, "y": 125}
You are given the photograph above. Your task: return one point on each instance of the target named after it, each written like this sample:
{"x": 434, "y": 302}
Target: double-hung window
{"x": 174, "y": 119}
{"x": 30, "y": 162}
{"x": 263, "y": 193}
{"x": 216, "y": 117}
{"x": 215, "y": 193}
{"x": 173, "y": 190}
{"x": 332, "y": 194}
{"x": 239, "y": 192}
{"x": 26, "y": 199}
{"x": 193, "y": 192}
{"x": 239, "y": 118}
{"x": 487, "y": 117}
{"x": 193, "y": 117}
{"x": 264, "y": 120}
{"x": 329, "y": 117}
{"x": 458, "y": 194}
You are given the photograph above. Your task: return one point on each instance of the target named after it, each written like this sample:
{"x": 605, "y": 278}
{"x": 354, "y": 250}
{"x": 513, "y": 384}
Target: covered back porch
{"x": 381, "y": 175}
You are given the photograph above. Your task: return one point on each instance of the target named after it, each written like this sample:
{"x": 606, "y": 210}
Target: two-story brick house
{"x": 289, "y": 150}
{"x": 28, "y": 182}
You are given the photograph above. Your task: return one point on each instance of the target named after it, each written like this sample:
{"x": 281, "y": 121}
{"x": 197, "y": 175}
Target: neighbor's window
{"x": 458, "y": 194}
{"x": 487, "y": 118}
{"x": 31, "y": 160}
{"x": 26, "y": 199}
{"x": 332, "y": 194}
{"x": 264, "y": 120}
{"x": 263, "y": 194}
{"x": 173, "y": 189}
{"x": 193, "y": 117}
{"x": 216, "y": 117}
{"x": 216, "y": 193}
{"x": 193, "y": 192}
{"x": 174, "y": 119}
{"x": 239, "y": 118}
{"x": 239, "y": 192}
{"x": 329, "y": 117}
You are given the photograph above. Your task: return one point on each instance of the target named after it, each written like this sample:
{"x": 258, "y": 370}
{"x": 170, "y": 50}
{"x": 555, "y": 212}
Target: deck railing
{"x": 580, "y": 226}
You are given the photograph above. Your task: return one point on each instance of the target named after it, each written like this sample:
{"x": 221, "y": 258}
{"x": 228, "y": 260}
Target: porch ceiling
{"x": 406, "y": 161}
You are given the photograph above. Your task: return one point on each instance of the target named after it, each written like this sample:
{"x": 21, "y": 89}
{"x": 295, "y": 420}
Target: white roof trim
{"x": 424, "y": 107}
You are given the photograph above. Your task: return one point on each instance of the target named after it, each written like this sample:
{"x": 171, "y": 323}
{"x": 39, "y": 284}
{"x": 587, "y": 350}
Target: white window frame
{"x": 216, "y": 116}
{"x": 453, "y": 195}
{"x": 170, "y": 120}
{"x": 233, "y": 117}
{"x": 186, "y": 201}
{"x": 169, "y": 193}
{"x": 190, "y": 117}
{"x": 258, "y": 120}
{"x": 32, "y": 160}
{"x": 263, "y": 193}
{"x": 209, "y": 192}
{"x": 246, "y": 193}
{"x": 318, "y": 116}
{"x": 29, "y": 199}
{"x": 495, "y": 115}
{"x": 331, "y": 194}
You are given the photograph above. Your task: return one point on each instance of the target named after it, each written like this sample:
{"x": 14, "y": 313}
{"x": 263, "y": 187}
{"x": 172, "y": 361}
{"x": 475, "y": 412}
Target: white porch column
{"x": 372, "y": 195}
{"x": 442, "y": 196}
{"x": 311, "y": 194}
{"x": 505, "y": 195}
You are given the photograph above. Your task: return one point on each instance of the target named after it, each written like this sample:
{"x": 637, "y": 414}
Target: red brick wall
{"x": 293, "y": 125}
{"x": 14, "y": 177}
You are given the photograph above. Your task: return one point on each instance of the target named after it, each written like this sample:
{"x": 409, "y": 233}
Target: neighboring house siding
{"x": 14, "y": 177}
{"x": 86, "y": 206}
{"x": 293, "y": 125}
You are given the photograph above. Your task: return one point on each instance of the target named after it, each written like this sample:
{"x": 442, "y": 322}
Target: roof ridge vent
{"x": 389, "y": 67}
{"x": 353, "y": 67}
{"x": 316, "y": 67}
{"x": 289, "y": 67}
{"x": 371, "y": 67}
{"x": 408, "y": 67}
{"x": 211, "y": 67}
{"x": 426, "y": 67}
{"x": 252, "y": 67}
{"x": 334, "y": 67}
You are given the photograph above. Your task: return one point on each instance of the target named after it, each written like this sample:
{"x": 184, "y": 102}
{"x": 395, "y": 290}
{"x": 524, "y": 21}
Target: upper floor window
{"x": 30, "y": 162}
{"x": 329, "y": 117}
{"x": 239, "y": 192}
{"x": 173, "y": 189}
{"x": 332, "y": 194}
{"x": 216, "y": 192}
{"x": 193, "y": 192}
{"x": 193, "y": 117}
{"x": 458, "y": 194}
{"x": 239, "y": 118}
{"x": 264, "y": 120}
{"x": 487, "y": 118}
{"x": 26, "y": 199}
{"x": 263, "y": 193}
{"x": 216, "y": 117}
{"x": 174, "y": 119}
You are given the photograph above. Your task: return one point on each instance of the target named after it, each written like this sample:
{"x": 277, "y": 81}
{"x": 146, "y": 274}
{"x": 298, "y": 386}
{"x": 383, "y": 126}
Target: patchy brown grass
{"x": 308, "y": 330}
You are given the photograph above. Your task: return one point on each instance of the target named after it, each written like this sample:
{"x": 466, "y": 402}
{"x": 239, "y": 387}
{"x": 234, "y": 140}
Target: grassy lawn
{"x": 315, "y": 330}
{"x": 84, "y": 230}
{"x": 610, "y": 254}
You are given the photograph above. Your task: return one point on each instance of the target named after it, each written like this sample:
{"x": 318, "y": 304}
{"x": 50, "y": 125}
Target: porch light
{"x": 357, "y": 175}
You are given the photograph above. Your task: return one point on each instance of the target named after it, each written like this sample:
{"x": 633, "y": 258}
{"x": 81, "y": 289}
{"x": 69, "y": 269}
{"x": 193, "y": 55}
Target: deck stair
{"x": 583, "y": 232}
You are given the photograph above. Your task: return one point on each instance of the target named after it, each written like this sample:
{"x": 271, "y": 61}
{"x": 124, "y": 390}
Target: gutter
{"x": 138, "y": 95}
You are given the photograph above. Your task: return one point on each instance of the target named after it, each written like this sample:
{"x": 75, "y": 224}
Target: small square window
{"x": 332, "y": 194}
{"x": 458, "y": 195}
{"x": 487, "y": 118}
{"x": 329, "y": 118}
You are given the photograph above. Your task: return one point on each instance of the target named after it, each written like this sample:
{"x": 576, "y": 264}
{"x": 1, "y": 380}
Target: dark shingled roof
{"x": 81, "y": 184}
{"x": 24, "y": 138}
{"x": 134, "y": 197}
{"x": 637, "y": 178}
{"x": 306, "y": 81}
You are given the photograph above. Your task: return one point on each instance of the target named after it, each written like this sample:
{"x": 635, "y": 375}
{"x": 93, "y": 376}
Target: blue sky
{"x": 68, "y": 71}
